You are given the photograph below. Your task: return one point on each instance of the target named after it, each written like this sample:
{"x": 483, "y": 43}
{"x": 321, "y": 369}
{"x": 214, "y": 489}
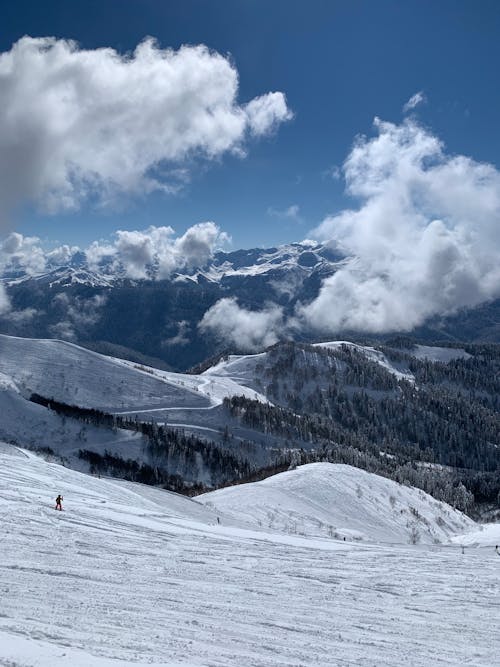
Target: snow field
{"x": 131, "y": 574}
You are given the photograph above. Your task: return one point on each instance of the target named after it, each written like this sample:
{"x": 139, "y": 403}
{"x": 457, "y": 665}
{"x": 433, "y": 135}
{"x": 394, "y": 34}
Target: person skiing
{"x": 497, "y": 550}
{"x": 59, "y": 500}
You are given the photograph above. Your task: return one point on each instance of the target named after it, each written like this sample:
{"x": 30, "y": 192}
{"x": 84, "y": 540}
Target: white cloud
{"x": 22, "y": 253}
{"x": 425, "y": 239}
{"x": 247, "y": 330}
{"x": 77, "y": 122}
{"x": 292, "y": 212}
{"x": 63, "y": 330}
{"x": 181, "y": 337}
{"x": 136, "y": 251}
{"x": 20, "y": 317}
{"x": 414, "y": 101}
{"x": 265, "y": 113}
{"x": 76, "y": 314}
{"x": 61, "y": 256}
{"x": 151, "y": 253}
{"x": 197, "y": 245}
{"x": 334, "y": 172}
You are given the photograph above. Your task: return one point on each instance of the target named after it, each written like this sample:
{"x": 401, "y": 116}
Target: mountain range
{"x": 156, "y": 321}
{"x": 427, "y": 416}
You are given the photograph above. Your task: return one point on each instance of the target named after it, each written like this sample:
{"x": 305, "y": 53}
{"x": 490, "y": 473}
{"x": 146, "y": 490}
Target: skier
{"x": 59, "y": 500}
{"x": 497, "y": 550}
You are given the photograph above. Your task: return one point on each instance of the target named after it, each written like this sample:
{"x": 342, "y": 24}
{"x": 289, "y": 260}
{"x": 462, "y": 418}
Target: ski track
{"x": 129, "y": 573}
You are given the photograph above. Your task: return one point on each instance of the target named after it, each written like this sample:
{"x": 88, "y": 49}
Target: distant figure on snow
{"x": 497, "y": 550}
{"x": 59, "y": 500}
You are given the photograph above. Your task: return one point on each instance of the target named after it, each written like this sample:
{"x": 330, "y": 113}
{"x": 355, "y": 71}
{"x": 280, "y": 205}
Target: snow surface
{"x": 326, "y": 499}
{"x": 131, "y": 574}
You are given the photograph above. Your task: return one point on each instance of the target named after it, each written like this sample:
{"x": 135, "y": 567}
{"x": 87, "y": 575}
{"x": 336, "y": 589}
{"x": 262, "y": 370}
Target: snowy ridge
{"x": 72, "y": 374}
{"x": 130, "y": 574}
{"x": 326, "y": 499}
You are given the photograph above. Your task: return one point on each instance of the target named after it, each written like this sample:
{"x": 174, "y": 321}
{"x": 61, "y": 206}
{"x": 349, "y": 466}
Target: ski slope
{"x": 131, "y": 574}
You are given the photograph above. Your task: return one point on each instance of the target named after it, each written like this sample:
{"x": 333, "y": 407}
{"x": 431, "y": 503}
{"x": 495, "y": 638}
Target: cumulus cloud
{"x": 247, "y": 330}
{"x": 414, "y": 101}
{"x": 265, "y": 113}
{"x": 18, "y": 252}
{"x": 20, "y": 317}
{"x": 151, "y": 253}
{"x": 197, "y": 245}
{"x": 76, "y": 123}
{"x": 425, "y": 239}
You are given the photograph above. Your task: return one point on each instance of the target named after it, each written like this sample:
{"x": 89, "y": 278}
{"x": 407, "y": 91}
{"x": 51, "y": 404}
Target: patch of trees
{"x": 134, "y": 471}
{"x": 169, "y": 451}
{"x": 358, "y": 440}
{"x": 478, "y": 375}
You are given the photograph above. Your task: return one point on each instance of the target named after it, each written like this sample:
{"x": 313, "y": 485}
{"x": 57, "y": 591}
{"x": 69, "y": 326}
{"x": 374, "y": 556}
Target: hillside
{"x": 424, "y": 415}
{"x": 324, "y": 499}
{"x": 75, "y": 375}
{"x": 130, "y": 574}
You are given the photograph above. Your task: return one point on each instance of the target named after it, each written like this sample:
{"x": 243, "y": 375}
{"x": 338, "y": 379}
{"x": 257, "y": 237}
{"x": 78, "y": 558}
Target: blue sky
{"x": 339, "y": 64}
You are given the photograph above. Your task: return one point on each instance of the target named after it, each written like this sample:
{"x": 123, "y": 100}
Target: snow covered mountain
{"x": 425, "y": 416}
{"x": 299, "y": 260}
{"x": 156, "y": 320}
{"x": 128, "y": 574}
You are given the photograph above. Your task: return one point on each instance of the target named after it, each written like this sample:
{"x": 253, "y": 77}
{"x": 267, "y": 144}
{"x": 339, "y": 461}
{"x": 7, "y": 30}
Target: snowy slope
{"x": 326, "y": 499}
{"x": 132, "y": 575}
{"x": 74, "y": 375}
{"x": 71, "y": 374}
{"x": 36, "y": 427}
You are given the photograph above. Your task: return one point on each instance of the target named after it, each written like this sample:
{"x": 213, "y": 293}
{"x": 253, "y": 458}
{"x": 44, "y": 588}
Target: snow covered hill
{"x": 130, "y": 574}
{"x": 326, "y": 499}
{"x": 74, "y": 375}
